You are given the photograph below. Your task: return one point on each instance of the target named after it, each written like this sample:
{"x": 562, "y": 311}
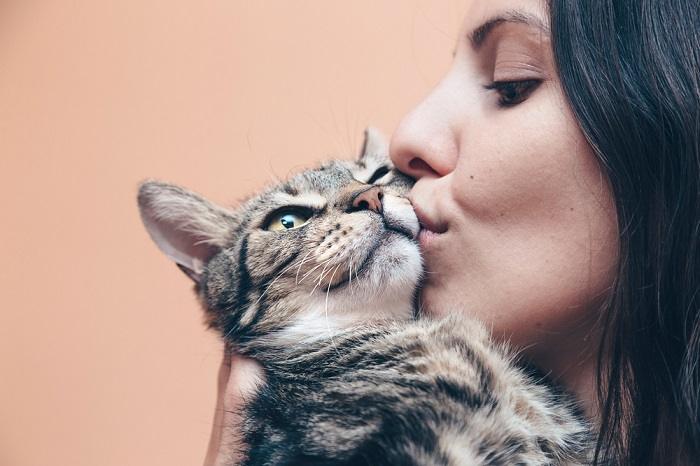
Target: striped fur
{"x": 328, "y": 309}
{"x": 407, "y": 393}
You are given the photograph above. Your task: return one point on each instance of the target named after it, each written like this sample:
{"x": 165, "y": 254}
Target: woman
{"x": 560, "y": 156}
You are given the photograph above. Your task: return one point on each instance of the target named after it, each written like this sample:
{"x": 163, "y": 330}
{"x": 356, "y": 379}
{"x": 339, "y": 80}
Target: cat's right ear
{"x": 185, "y": 226}
{"x": 375, "y": 148}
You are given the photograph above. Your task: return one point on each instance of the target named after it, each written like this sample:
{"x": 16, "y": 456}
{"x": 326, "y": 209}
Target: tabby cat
{"x": 316, "y": 278}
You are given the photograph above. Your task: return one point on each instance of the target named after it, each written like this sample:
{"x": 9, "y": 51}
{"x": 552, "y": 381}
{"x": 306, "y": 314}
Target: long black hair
{"x": 630, "y": 70}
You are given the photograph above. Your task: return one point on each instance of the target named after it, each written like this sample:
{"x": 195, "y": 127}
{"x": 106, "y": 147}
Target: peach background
{"x": 103, "y": 356}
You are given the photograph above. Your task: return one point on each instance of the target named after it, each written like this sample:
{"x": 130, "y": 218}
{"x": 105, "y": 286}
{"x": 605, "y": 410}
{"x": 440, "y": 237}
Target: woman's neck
{"x": 572, "y": 361}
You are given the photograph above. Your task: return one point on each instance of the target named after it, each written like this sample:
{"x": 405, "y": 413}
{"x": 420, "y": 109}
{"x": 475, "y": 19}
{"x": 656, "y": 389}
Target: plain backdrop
{"x": 103, "y": 356}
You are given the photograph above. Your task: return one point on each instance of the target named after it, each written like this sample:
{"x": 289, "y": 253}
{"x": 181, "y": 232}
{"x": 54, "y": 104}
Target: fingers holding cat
{"x": 238, "y": 380}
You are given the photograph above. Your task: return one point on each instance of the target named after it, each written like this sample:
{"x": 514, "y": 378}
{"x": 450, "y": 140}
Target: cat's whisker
{"x": 337, "y": 254}
{"x": 301, "y": 264}
{"x": 357, "y": 277}
{"x": 267, "y": 288}
{"x": 328, "y": 292}
{"x": 262, "y": 295}
{"x": 324, "y": 263}
{"x": 320, "y": 276}
{"x": 314, "y": 268}
{"x": 271, "y": 173}
{"x": 323, "y": 272}
{"x": 328, "y": 325}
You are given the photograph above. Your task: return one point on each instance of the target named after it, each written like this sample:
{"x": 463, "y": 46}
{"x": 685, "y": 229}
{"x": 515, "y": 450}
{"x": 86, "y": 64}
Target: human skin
{"x": 238, "y": 378}
{"x": 519, "y": 221}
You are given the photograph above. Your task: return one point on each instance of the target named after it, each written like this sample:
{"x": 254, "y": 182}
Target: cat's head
{"x": 330, "y": 247}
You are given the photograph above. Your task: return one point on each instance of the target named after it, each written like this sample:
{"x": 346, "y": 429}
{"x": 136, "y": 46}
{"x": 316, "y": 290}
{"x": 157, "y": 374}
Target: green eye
{"x": 287, "y": 220}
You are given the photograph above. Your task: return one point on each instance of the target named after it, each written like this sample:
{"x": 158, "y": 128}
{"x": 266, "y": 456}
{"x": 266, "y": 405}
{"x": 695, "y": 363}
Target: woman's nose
{"x": 423, "y": 144}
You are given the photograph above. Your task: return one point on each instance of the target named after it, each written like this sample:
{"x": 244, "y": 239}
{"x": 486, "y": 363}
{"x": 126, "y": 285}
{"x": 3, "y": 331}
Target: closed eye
{"x": 511, "y": 93}
{"x": 378, "y": 173}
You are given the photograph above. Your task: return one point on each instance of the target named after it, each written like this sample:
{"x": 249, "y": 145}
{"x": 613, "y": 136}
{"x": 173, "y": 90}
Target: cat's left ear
{"x": 375, "y": 149}
{"x": 189, "y": 229}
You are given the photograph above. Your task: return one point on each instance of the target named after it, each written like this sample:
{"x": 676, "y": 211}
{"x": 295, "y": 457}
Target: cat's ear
{"x": 375, "y": 148}
{"x": 186, "y": 227}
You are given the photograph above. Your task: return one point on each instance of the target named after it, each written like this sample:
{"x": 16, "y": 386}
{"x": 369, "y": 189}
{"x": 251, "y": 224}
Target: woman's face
{"x": 519, "y": 222}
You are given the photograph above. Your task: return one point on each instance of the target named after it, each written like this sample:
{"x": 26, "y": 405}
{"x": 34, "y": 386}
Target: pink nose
{"x": 370, "y": 199}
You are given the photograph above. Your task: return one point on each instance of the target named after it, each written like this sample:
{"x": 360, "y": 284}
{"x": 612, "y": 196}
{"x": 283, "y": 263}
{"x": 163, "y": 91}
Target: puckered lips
{"x": 430, "y": 227}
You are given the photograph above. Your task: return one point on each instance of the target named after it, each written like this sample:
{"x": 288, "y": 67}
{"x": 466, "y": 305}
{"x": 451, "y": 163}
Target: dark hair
{"x": 630, "y": 70}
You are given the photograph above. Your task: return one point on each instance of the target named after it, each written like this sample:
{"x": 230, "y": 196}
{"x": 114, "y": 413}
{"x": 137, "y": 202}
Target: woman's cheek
{"x": 509, "y": 172}
{"x": 495, "y": 189}
{"x": 536, "y": 214}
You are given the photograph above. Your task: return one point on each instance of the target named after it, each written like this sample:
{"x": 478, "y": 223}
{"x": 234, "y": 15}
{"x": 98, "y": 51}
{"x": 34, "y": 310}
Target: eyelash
{"x": 511, "y": 93}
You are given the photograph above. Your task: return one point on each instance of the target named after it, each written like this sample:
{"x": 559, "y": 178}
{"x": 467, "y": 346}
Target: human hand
{"x": 238, "y": 380}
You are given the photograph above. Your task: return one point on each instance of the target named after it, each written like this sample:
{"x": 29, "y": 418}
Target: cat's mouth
{"x": 401, "y": 229}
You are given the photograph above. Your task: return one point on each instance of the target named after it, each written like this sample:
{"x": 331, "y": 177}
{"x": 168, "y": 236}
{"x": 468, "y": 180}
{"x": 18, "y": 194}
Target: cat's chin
{"x": 395, "y": 268}
{"x": 394, "y": 261}
{"x": 383, "y": 290}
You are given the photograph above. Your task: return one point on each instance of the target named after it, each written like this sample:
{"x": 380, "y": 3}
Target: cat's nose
{"x": 369, "y": 199}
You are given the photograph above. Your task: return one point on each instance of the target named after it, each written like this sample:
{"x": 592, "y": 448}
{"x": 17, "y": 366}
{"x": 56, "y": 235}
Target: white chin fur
{"x": 394, "y": 269}
{"x": 383, "y": 291}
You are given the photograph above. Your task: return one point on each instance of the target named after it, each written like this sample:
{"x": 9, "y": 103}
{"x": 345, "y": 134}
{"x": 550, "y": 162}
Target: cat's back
{"x": 421, "y": 392}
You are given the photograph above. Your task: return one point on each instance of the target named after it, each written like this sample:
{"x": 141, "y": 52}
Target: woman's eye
{"x": 511, "y": 93}
{"x": 286, "y": 221}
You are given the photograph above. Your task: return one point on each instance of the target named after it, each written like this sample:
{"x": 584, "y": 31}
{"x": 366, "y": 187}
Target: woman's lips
{"x": 427, "y": 238}
{"x": 426, "y": 223}
{"x": 430, "y": 230}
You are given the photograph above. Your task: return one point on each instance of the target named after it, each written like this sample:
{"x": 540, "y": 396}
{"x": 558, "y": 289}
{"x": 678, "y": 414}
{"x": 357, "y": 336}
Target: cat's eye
{"x": 287, "y": 219}
{"x": 378, "y": 173}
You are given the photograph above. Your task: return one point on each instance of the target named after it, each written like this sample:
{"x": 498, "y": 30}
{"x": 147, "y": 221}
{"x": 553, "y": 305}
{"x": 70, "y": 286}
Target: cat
{"x": 317, "y": 279}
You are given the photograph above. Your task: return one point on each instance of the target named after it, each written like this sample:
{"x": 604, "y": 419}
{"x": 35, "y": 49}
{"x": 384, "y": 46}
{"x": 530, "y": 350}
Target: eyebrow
{"x": 481, "y": 33}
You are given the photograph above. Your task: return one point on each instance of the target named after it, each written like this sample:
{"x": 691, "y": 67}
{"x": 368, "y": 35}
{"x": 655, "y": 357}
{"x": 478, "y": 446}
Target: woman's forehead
{"x": 483, "y": 15}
